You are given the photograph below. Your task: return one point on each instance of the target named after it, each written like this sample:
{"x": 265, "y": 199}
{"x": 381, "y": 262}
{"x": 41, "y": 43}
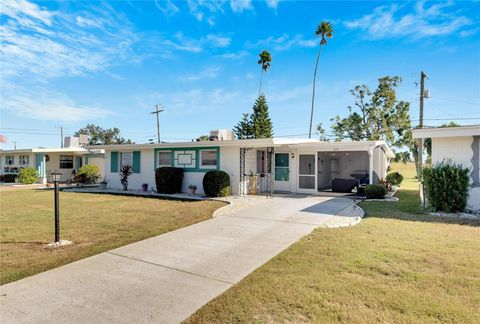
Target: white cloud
{"x": 285, "y": 42}
{"x": 42, "y": 104}
{"x": 239, "y": 6}
{"x": 167, "y": 7}
{"x": 272, "y": 3}
{"x": 206, "y": 73}
{"x": 389, "y": 21}
{"x": 234, "y": 56}
{"x": 196, "y": 45}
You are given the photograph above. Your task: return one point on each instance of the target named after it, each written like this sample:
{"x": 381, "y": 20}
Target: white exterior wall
{"x": 99, "y": 162}
{"x": 230, "y": 163}
{"x": 16, "y": 164}
{"x": 380, "y": 164}
{"x": 458, "y": 150}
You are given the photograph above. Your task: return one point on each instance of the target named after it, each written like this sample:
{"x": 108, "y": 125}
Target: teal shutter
{"x": 136, "y": 162}
{"x": 114, "y": 162}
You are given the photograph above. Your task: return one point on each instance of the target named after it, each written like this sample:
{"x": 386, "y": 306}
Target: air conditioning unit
{"x": 221, "y": 135}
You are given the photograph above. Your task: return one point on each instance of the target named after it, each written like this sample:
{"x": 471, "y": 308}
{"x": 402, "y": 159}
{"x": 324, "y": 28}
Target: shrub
{"x": 387, "y": 185}
{"x": 216, "y": 184}
{"x": 88, "y": 174}
{"x": 27, "y": 175}
{"x": 446, "y": 186}
{"x": 375, "y": 191}
{"x": 169, "y": 180}
{"x": 394, "y": 178}
{"x": 8, "y": 178}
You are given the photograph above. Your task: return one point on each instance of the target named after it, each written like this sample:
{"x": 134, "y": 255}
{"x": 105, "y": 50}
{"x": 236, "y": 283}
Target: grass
{"x": 397, "y": 265}
{"x": 95, "y": 223}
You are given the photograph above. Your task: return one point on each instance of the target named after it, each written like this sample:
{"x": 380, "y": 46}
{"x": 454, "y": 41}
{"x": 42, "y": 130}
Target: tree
{"x": 203, "y": 138}
{"x": 325, "y": 29}
{"x": 322, "y": 136}
{"x": 99, "y": 136}
{"x": 260, "y": 119}
{"x": 380, "y": 115}
{"x": 264, "y": 61}
{"x": 244, "y": 128}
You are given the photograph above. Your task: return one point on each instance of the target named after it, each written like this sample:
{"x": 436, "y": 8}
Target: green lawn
{"x": 397, "y": 265}
{"x": 95, "y": 223}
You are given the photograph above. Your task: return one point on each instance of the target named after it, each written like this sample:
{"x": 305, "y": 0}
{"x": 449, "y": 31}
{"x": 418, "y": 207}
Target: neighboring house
{"x": 48, "y": 160}
{"x": 289, "y": 165}
{"x": 461, "y": 145}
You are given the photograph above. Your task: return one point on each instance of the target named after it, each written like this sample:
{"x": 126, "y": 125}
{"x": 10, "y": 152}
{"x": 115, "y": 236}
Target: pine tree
{"x": 260, "y": 119}
{"x": 244, "y": 128}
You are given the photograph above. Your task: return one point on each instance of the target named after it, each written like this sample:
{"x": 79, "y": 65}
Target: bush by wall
{"x": 169, "y": 180}
{"x": 216, "y": 183}
{"x": 446, "y": 186}
{"x": 8, "y": 178}
{"x": 375, "y": 191}
{"x": 88, "y": 174}
{"x": 394, "y": 178}
{"x": 27, "y": 175}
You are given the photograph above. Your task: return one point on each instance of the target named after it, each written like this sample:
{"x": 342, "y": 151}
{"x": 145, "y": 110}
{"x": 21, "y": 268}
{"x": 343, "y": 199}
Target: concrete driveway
{"x": 166, "y": 278}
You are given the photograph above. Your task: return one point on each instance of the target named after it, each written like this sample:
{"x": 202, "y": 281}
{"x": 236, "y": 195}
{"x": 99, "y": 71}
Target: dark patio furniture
{"x": 344, "y": 185}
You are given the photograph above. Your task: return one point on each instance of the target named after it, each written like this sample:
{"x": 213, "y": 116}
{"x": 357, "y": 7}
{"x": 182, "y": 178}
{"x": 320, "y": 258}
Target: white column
{"x": 370, "y": 165}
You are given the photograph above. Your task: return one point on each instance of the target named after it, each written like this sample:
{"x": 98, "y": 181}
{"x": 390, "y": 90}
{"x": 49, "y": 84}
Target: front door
{"x": 282, "y": 172}
{"x": 307, "y": 173}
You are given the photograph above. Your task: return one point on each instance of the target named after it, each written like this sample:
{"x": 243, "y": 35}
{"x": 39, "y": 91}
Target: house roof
{"x": 264, "y": 142}
{"x": 472, "y": 130}
{"x": 77, "y": 150}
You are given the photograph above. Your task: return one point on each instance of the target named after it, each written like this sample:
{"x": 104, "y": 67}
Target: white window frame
{"x": 169, "y": 157}
{"x": 60, "y": 162}
{"x": 9, "y": 159}
{"x": 207, "y": 166}
{"x": 24, "y": 159}
{"x": 121, "y": 158}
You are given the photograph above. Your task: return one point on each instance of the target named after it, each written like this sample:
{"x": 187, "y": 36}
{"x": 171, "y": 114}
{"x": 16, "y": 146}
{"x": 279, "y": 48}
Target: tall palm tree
{"x": 265, "y": 59}
{"x": 324, "y": 30}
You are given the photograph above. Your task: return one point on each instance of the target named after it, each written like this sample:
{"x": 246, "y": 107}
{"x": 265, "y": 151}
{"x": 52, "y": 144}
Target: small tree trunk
{"x": 313, "y": 92}
{"x": 260, "y": 88}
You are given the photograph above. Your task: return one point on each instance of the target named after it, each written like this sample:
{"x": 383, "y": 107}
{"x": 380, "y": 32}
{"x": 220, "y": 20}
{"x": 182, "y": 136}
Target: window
{"x": 23, "y": 159}
{"x": 9, "y": 159}
{"x": 164, "y": 158}
{"x": 66, "y": 161}
{"x": 208, "y": 159}
{"x": 126, "y": 158}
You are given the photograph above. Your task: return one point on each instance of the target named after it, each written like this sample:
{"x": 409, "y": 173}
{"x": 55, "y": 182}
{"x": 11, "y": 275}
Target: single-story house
{"x": 461, "y": 145}
{"x": 254, "y": 165}
{"x": 48, "y": 160}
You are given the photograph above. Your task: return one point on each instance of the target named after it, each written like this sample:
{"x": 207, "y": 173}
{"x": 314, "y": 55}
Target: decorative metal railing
{"x": 256, "y": 184}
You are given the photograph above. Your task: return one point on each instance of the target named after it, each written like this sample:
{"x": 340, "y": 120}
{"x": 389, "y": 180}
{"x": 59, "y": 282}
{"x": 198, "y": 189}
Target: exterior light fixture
{"x": 56, "y": 178}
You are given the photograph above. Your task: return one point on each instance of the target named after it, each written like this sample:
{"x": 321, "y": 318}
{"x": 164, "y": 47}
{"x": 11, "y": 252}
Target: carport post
{"x": 370, "y": 165}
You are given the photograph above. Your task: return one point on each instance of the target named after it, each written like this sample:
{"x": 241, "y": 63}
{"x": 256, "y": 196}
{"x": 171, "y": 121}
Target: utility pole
{"x": 423, "y": 76}
{"x": 61, "y": 135}
{"x": 157, "y": 112}
{"x": 14, "y": 145}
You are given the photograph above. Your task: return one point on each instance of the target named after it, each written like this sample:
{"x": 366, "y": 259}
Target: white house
{"x": 461, "y": 145}
{"x": 279, "y": 164}
{"x": 48, "y": 160}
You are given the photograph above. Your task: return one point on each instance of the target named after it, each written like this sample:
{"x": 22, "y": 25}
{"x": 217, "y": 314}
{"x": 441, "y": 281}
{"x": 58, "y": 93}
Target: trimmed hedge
{"x": 8, "y": 178}
{"x": 394, "y": 178}
{"x": 446, "y": 186}
{"x": 169, "y": 180}
{"x": 88, "y": 174}
{"x": 216, "y": 183}
{"x": 375, "y": 191}
{"x": 27, "y": 175}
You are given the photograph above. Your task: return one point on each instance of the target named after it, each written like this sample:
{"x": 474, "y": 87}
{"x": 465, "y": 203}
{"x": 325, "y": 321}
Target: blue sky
{"x": 109, "y": 63}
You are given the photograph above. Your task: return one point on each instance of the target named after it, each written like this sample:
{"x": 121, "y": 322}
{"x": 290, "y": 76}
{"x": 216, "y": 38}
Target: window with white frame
{"x": 66, "y": 161}
{"x": 9, "y": 160}
{"x": 164, "y": 159}
{"x": 23, "y": 159}
{"x": 126, "y": 158}
{"x": 208, "y": 159}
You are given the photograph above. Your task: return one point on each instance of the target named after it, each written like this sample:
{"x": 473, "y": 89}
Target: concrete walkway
{"x": 166, "y": 278}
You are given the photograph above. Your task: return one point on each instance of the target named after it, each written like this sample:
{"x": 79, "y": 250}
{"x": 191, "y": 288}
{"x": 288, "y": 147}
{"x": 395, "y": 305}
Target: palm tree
{"x": 325, "y": 29}
{"x": 265, "y": 59}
